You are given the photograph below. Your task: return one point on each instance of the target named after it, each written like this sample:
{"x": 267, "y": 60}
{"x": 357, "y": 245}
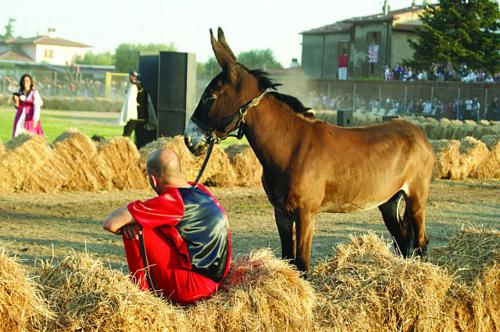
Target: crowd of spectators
{"x": 461, "y": 109}
{"x": 438, "y": 72}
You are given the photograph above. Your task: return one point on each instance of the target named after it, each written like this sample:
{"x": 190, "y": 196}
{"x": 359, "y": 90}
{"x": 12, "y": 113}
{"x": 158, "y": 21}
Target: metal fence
{"x": 64, "y": 84}
{"x": 440, "y": 99}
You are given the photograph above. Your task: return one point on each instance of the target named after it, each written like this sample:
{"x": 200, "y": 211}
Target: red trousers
{"x": 174, "y": 282}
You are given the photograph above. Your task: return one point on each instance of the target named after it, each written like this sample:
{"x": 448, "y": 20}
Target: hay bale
{"x": 468, "y": 253}
{"x": 219, "y": 171}
{"x": 491, "y": 141}
{"x": 472, "y": 257}
{"x": 22, "y": 306}
{"x": 372, "y": 119}
{"x": 2, "y": 149}
{"x": 245, "y": 164}
{"x": 122, "y": 158}
{"x": 261, "y": 293}
{"x": 459, "y": 131}
{"x": 490, "y": 167}
{"x": 443, "y": 130}
{"x": 483, "y": 129}
{"x": 447, "y": 158}
{"x": 87, "y": 296}
{"x": 76, "y": 156}
{"x": 365, "y": 287}
{"x": 469, "y": 127}
{"x": 472, "y": 153}
{"x": 27, "y": 165}
{"x": 432, "y": 129}
{"x": 360, "y": 119}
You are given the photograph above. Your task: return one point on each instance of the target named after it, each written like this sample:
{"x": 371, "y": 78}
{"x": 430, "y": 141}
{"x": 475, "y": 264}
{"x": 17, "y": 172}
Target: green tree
{"x": 259, "y": 59}
{"x": 207, "y": 70}
{"x": 90, "y": 58}
{"x": 9, "y": 29}
{"x": 463, "y": 31}
{"x": 126, "y": 54}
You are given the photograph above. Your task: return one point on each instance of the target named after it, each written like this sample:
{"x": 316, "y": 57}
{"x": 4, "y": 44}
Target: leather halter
{"x": 235, "y": 120}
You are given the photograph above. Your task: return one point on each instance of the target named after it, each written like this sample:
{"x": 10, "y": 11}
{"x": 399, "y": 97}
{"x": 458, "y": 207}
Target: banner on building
{"x": 373, "y": 53}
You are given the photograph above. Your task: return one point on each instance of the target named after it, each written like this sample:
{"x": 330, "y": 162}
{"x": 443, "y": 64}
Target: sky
{"x": 253, "y": 24}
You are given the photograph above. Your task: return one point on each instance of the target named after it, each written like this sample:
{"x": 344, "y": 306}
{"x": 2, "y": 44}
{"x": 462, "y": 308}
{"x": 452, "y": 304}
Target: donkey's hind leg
{"x": 397, "y": 218}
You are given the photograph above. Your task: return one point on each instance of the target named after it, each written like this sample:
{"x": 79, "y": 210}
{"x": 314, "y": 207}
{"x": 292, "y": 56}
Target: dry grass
{"x": 87, "y": 296}
{"x": 469, "y": 253}
{"x": 472, "y": 153}
{"x": 245, "y": 164}
{"x": 22, "y": 306}
{"x": 472, "y": 257}
{"x": 447, "y": 158}
{"x": 469, "y": 158}
{"x": 261, "y": 293}
{"x": 490, "y": 167}
{"x": 23, "y": 160}
{"x": 122, "y": 158}
{"x": 365, "y": 287}
{"x": 76, "y": 156}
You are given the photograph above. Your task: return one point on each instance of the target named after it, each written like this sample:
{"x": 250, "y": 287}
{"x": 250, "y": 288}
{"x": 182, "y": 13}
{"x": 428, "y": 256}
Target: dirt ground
{"x": 42, "y": 226}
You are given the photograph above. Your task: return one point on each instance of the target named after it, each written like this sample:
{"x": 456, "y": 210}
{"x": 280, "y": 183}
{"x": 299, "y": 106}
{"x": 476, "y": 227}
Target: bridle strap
{"x": 237, "y": 118}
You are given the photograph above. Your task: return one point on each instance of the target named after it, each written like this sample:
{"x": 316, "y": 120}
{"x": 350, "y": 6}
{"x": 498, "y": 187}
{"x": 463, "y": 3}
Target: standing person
{"x": 179, "y": 242}
{"x": 28, "y": 104}
{"x": 343, "y": 62}
{"x": 128, "y": 114}
{"x": 137, "y": 113}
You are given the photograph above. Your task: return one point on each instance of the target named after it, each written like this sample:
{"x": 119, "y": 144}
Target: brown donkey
{"x": 311, "y": 165}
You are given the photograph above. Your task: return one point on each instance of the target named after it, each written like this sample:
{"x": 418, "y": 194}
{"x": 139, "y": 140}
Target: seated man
{"x": 178, "y": 243}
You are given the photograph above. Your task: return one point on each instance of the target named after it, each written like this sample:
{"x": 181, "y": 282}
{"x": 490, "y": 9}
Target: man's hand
{"x": 131, "y": 231}
{"x": 35, "y": 124}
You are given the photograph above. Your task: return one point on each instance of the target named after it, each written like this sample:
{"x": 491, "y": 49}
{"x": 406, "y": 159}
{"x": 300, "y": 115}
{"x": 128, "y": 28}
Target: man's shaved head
{"x": 164, "y": 164}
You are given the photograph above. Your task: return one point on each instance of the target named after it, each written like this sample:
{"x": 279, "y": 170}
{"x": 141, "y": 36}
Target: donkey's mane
{"x": 265, "y": 82}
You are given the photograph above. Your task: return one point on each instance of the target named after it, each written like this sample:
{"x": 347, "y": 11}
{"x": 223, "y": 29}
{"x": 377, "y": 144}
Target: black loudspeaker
{"x": 344, "y": 118}
{"x": 148, "y": 69}
{"x": 176, "y": 91}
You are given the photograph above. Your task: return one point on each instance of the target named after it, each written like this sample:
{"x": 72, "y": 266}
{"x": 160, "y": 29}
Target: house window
{"x": 373, "y": 37}
{"x": 48, "y": 54}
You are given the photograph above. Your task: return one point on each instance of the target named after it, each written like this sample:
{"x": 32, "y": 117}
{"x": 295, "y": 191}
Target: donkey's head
{"x": 217, "y": 112}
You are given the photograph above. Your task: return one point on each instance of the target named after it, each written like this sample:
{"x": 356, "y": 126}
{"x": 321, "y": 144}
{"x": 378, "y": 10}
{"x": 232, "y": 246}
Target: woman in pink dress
{"x": 28, "y": 104}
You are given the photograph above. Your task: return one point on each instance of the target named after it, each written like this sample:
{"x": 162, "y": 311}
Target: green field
{"x": 55, "y": 123}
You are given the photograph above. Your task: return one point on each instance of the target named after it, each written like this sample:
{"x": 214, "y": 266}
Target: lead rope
{"x": 213, "y": 139}
{"x": 207, "y": 157}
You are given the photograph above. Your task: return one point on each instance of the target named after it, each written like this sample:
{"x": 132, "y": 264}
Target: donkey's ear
{"x": 224, "y": 58}
{"x": 222, "y": 40}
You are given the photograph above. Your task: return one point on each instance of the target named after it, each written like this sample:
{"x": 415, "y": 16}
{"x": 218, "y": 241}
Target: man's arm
{"x": 117, "y": 219}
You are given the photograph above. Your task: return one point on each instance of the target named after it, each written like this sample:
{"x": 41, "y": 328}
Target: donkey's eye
{"x": 209, "y": 97}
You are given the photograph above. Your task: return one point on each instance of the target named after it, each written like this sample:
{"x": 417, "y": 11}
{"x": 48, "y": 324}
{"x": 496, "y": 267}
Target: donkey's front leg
{"x": 305, "y": 229}
{"x": 285, "y": 229}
